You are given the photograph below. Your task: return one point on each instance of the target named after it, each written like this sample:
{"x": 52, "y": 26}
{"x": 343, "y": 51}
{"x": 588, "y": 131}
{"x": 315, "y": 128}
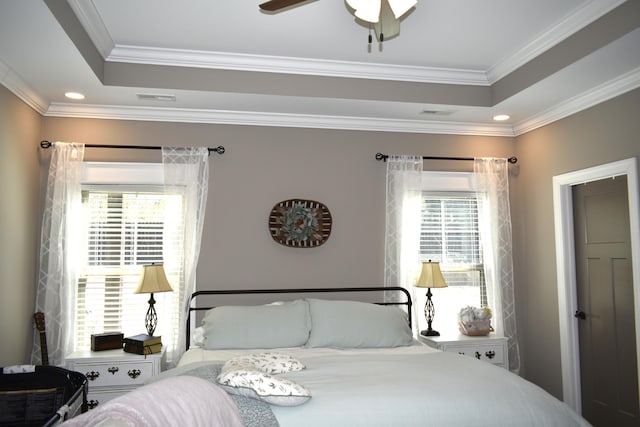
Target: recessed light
{"x": 74, "y": 95}
{"x": 501, "y": 117}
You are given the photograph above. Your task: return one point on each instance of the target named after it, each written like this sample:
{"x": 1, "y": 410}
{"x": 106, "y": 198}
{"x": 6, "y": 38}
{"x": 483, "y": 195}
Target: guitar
{"x": 39, "y": 319}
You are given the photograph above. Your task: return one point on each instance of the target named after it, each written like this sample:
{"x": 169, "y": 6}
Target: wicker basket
{"x": 475, "y": 327}
{"x": 34, "y": 398}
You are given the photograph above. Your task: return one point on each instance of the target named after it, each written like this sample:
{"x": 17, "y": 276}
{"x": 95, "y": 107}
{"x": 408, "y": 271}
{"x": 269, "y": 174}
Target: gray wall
{"x": 263, "y": 166}
{"x": 602, "y": 134}
{"x": 19, "y": 212}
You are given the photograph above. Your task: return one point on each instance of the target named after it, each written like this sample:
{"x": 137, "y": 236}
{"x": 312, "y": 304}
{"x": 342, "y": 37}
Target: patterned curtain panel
{"x": 403, "y": 210}
{"x": 186, "y": 171}
{"x": 492, "y": 179}
{"x": 59, "y": 252}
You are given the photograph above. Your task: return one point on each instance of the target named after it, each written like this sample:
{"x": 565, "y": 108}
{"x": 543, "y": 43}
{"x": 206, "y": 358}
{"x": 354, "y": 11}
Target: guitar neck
{"x": 44, "y": 354}
{"x": 39, "y": 320}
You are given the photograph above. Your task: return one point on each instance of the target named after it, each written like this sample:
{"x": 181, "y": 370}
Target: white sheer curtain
{"x": 57, "y": 276}
{"x": 186, "y": 170}
{"x": 402, "y": 236}
{"x": 492, "y": 179}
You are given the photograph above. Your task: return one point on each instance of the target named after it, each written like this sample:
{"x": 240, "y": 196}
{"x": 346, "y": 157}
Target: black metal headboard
{"x": 405, "y": 298}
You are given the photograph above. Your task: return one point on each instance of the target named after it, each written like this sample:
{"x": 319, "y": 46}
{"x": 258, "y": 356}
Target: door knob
{"x": 580, "y": 314}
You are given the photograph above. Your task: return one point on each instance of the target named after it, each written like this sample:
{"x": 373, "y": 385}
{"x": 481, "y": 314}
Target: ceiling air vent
{"x": 436, "y": 112}
{"x": 155, "y": 97}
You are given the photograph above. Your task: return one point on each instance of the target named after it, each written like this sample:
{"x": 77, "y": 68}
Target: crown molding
{"x": 575, "y": 21}
{"x": 93, "y": 24}
{"x": 288, "y": 65}
{"x": 615, "y": 87}
{"x": 604, "y": 92}
{"x": 21, "y": 89}
{"x": 274, "y": 119}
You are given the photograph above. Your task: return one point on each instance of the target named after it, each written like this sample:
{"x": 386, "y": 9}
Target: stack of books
{"x": 142, "y": 344}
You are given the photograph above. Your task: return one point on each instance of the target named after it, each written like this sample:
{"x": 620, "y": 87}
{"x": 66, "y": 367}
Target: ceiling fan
{"x": 384, "y": 15}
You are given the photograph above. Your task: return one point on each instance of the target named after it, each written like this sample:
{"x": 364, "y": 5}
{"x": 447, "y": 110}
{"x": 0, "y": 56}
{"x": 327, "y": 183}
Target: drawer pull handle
{"x": 490, "y": 354}
{"x": 134, "y": 373}
{"x": 113, "y": 370}
{"x": 91, "y": 376}
{"x": 92, "y": 404}
{"x": 478, "y": 355}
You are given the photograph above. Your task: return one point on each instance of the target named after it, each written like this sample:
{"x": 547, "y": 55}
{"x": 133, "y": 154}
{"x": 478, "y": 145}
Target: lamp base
{"x": 430, "y": 333}
{"x": 151, "y": 319}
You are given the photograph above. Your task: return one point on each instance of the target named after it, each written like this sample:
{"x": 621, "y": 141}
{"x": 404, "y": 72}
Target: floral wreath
{"x": 300, "y": 223}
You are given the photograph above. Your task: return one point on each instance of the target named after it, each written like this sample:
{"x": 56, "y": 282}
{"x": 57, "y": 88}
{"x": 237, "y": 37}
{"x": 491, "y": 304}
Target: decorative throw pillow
{"x": 267, "y": 362}
{"x": 250, "y": 376}
{"x": 265, "y": 387}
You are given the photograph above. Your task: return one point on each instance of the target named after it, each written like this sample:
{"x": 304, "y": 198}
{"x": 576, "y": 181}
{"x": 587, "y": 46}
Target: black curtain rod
{"x": 46, "y": 144}
{"x": 384, "y": 157}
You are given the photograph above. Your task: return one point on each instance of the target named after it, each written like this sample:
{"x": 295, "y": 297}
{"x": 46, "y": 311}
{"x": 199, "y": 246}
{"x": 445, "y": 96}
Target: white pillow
{"x": 251, "y": 376}
{"x": 353, "y": 324}
{"x": 264, "y": 326}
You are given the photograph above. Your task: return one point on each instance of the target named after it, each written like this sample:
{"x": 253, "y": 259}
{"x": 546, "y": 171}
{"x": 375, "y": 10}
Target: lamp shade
{"x": 431, "y": 276}
{"x": 153, "y": 279}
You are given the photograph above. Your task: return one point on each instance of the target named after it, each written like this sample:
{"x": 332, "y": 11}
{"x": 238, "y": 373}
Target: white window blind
{"x": 124, "y": 227}
{"x": 450, "y": 236}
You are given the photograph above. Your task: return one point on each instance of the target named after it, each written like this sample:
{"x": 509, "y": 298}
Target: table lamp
{"x": 153, "y": 279}
{"x": 430, "y": 277}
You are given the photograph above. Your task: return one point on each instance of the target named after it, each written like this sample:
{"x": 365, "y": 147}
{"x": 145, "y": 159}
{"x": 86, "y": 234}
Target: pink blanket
{"x": 188, "y": 400}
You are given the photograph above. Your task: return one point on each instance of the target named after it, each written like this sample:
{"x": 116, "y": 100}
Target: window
{"x": 450, "y": 235}
{"x": 124, "y": 227}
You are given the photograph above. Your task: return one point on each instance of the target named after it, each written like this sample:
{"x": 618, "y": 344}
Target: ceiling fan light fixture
{"x": 367, "y": 10}
{"x": 400, "y": 7}
{"x": 388, "y": 26}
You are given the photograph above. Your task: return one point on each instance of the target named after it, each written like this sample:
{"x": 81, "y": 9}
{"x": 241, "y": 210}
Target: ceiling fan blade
{"x": 275, "y": 5}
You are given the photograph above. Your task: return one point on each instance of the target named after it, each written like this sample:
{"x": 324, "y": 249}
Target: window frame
{"x": 130, "y": 177}
{"x": 452, "y": 184}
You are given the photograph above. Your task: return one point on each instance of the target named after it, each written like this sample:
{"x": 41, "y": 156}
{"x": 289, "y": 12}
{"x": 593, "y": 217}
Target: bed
{"x": 306, "y": 359}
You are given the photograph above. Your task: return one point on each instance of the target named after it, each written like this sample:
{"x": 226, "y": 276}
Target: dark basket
{"x": 34, "y": 398}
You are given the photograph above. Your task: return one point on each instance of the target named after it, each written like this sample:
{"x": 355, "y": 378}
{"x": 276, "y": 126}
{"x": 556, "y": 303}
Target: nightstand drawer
{"x": 489, "y": 353}
{"x": 491, "y": 348}
{"x": 113, "y": 374}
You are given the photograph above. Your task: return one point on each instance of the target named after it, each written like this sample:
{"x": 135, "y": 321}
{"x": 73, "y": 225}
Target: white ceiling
{"x": 455, "y": 64}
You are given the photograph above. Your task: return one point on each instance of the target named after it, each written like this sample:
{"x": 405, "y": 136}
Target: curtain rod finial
{"x": 45, "y": 144}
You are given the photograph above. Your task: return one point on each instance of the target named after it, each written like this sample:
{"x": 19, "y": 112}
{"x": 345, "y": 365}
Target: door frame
{"x": 566, "y": 265}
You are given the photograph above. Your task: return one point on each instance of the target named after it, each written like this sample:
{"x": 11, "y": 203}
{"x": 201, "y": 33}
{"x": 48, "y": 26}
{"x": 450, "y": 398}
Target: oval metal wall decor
{"x": 300, "y": 223}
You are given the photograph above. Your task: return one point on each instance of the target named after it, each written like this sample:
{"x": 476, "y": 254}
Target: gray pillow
{"x": 352, "y": 324}
{"x": 279, "y": 325}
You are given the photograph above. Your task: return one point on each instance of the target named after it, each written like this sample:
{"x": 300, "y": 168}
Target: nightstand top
{"x": 452, "y": 337}
{"x": 112, "y": 355}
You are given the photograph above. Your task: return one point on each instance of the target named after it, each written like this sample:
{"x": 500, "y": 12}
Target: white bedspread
{"x": 409, "y": 386}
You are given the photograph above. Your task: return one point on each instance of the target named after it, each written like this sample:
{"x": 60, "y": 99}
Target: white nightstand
{"x": 111, "y": 373}
{"x": 490, "y": 348}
